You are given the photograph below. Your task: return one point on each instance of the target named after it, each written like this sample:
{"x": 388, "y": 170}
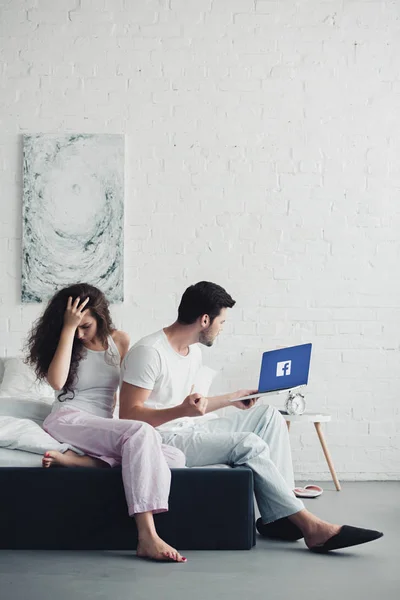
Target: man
{"x": 158, "y": 375}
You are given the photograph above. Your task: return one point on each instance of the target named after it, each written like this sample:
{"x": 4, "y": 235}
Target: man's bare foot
{"x": 53, "y": 458}
{"x": 320, "y": 534}
{"x": 316, "y": 532}
{"x": 154, "y": 547}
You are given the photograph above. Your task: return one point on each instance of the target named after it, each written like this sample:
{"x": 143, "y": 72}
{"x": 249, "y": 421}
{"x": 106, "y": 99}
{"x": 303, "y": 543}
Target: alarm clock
{"x": 295, "y": 403}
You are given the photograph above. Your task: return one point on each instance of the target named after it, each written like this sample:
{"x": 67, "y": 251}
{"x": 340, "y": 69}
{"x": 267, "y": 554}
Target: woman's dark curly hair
{"x": 45, "y": 334}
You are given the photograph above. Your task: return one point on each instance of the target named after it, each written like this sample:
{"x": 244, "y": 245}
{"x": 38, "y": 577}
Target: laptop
{"x": 282, "y": 370}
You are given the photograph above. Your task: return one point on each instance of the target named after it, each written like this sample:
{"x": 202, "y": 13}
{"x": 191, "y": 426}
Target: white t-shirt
{"x": 154, "y": 365}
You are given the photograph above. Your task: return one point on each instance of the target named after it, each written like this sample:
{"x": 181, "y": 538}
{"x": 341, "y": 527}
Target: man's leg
{"x": 268, "y": 423}
{"x": 208, "y": 444}
{"x": 205, "y": 445}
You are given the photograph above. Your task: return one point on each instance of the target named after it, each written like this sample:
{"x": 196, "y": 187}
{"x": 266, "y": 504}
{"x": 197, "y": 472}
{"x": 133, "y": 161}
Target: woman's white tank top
{"x": 97, "y": 381}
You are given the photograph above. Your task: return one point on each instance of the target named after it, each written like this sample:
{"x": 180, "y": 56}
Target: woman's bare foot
{"x": 53, "y": 458}
{"x": 154, "y": 547}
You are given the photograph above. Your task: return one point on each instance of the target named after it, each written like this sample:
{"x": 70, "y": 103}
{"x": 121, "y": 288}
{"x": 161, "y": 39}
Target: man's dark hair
{"x": 203, "y": 298}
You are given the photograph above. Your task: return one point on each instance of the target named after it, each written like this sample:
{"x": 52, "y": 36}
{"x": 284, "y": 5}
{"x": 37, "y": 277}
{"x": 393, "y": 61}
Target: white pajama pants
{"x": 258, "y": 438}
{"x": 135, "y": 445}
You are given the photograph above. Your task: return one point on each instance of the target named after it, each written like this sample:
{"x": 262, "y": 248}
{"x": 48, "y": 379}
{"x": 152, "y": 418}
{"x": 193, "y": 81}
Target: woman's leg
{"x": 174, "y": 457}
{"x": 150, "y": 545}
{"x": 54, "y": 458}
{"x": 145, "y": 473}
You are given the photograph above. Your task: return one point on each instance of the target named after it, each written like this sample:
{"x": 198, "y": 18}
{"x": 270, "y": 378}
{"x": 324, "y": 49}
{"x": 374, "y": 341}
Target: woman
{"x": 77, "y": 349}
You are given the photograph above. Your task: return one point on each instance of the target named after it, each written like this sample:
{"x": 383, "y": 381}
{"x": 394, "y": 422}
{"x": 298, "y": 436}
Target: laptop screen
{"x": 285, "y": 368}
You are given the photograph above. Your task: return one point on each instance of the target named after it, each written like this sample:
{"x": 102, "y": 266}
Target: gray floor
{"x": 273, "y": 570}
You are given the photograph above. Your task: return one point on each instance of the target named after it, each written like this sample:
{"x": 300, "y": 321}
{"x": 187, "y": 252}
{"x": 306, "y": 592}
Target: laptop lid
{"x": 285, "y": 368}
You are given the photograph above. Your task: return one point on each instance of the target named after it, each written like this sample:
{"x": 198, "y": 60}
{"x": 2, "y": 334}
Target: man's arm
{"x": 132, "y": 400}
{"x": 217, "y": 402}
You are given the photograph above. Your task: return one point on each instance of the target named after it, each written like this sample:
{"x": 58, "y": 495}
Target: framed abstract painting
{"x": 73, "y": 214}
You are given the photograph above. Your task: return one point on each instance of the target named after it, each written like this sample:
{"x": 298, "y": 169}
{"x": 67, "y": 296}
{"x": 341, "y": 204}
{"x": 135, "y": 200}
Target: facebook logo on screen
{"x": 283, "y": 368}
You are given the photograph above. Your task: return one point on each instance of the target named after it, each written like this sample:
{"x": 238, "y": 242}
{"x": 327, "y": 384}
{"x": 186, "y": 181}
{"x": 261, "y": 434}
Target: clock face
{"x": 295, "y": 405}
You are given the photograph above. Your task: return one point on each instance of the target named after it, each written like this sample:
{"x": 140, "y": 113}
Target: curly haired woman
{"x": 76, "y": 348}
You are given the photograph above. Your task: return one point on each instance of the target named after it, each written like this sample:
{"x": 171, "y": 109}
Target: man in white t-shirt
{"x": 158, "y": 374}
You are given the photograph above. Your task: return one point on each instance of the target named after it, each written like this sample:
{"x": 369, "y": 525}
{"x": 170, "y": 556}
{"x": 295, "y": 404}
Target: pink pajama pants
{"x": 135, "y": 445}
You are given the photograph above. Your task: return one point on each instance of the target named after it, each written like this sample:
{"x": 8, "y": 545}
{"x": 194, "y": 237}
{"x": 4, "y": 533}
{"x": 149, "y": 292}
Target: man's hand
{"x": 244, "y": 404}
{"x": 194, "y": 405}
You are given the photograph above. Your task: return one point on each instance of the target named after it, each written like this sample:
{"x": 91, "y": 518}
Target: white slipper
{"x": 308, "y": 491}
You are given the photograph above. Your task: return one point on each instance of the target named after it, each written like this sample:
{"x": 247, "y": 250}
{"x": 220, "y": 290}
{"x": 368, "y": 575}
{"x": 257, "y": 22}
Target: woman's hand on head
{"x": 74, "y": 312}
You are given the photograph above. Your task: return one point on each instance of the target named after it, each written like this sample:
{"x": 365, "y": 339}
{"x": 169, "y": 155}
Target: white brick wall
{"x": 262, "y": 153}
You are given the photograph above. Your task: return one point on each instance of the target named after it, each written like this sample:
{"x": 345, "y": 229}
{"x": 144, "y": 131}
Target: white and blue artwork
{"x": 73, "y": 214}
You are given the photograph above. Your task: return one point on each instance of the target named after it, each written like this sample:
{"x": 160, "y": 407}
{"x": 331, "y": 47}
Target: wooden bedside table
{"x": 317, "y": 419}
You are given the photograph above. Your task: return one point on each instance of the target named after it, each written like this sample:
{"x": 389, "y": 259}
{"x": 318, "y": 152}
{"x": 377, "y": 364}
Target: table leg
{"x": 327, "y": 455}
{"x": 288, "y": 425}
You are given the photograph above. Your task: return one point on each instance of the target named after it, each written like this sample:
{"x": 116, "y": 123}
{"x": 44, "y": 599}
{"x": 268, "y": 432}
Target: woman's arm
{"x": 122, "y": 341}
{"x": 59, "y": 367}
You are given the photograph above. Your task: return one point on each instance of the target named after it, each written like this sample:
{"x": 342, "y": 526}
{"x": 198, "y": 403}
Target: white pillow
{"x": 203, "y": 380}
{"x": 19, "y": 381}
{"x": 25, "y": 409}
{"x": 24, "y": 434}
